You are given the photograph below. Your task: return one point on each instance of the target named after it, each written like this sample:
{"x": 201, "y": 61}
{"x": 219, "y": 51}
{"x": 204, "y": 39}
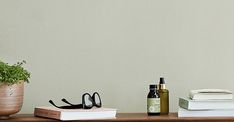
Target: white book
{"x": 189, "y": 104}
{"x": 206, "y": 113}
{"x": 208, "y": 94}
{"x": 75, "y": 114}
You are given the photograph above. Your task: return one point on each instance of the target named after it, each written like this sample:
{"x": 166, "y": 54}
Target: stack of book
{"x": 207, "y": 103}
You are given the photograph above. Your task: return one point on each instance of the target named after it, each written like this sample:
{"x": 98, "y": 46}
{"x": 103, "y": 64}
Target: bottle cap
{"x": 153, "y": 86}
{"x": 161, "y": 80}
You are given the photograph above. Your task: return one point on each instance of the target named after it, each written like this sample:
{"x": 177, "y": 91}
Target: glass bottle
{"x": 153, "y": 101}
{"x": 164, "y": 97}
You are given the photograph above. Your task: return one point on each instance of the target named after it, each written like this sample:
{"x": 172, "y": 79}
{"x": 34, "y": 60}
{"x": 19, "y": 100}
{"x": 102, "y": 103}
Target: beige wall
{"x": 118, "y": 48}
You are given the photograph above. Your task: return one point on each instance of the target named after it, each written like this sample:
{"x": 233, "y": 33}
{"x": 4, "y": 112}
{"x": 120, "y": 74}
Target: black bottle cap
{"x": 161, "y": 80}
{"x": 153, "y": 86}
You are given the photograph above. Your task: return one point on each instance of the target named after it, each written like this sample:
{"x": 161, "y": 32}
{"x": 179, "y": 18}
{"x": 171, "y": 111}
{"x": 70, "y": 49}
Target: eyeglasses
{"x": 88, "y": 102}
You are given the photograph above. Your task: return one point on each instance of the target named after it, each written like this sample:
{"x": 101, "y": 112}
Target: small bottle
{"x": 153, "y": 101}
{"x": 164, "y": 97}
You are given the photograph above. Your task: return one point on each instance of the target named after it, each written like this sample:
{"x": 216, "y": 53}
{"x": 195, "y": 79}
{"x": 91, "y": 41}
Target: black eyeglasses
{"x": 88, "y": 102}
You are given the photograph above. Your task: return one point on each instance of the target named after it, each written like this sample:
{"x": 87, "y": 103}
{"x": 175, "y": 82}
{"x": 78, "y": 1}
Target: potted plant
{"x": 12, "y": 78}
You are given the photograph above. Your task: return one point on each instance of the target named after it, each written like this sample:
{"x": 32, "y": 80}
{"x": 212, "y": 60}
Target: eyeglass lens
{"x": 88, "y": 101}
{"x": 97, "y": 99}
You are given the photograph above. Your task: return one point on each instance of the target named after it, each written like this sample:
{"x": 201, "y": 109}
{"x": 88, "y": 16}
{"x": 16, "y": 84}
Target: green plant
{"x": 12, "y": 74}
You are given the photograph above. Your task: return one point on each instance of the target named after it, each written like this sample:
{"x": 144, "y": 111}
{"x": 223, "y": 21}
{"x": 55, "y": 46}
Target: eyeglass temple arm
{"x": 51, "y": 102}
{"x": 64, "y": 100}
{"x": 78, "y": 105}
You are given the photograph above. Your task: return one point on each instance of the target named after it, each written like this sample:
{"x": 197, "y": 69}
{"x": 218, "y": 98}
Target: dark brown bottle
{"x": 153, "y": 101}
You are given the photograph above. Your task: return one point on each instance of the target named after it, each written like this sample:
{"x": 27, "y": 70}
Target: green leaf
{"x": 12, "y": 74}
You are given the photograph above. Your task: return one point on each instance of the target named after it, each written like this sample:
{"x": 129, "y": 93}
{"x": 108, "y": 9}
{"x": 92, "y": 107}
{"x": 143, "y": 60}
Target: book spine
{"x": 47, "y": 113}
{"x": 183, "y": 103}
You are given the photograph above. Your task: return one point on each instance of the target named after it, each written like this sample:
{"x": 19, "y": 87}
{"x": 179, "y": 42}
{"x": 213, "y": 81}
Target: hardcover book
{"x": 207, "y": 94}
{"x": 75, "y": 114}
{"x": 189, "y": 104}
{"x": 206, "y": 113}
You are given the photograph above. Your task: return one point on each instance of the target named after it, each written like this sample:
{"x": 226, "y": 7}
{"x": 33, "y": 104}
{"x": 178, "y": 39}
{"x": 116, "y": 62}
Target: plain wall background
{"x": 118, "y": 48}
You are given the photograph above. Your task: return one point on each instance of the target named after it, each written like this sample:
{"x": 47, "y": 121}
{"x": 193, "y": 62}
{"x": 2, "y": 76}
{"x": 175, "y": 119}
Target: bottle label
{"x": 153, "y": 105}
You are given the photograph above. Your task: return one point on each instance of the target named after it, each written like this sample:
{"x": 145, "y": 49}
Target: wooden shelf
{"x": 129, "y": 117}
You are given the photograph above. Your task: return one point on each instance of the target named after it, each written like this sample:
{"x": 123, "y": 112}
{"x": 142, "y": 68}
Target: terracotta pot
{"x": 11, "y": 99}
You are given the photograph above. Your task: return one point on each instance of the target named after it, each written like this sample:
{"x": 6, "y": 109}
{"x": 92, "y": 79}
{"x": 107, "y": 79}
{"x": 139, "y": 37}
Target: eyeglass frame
{"x": 82, "y": 105}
